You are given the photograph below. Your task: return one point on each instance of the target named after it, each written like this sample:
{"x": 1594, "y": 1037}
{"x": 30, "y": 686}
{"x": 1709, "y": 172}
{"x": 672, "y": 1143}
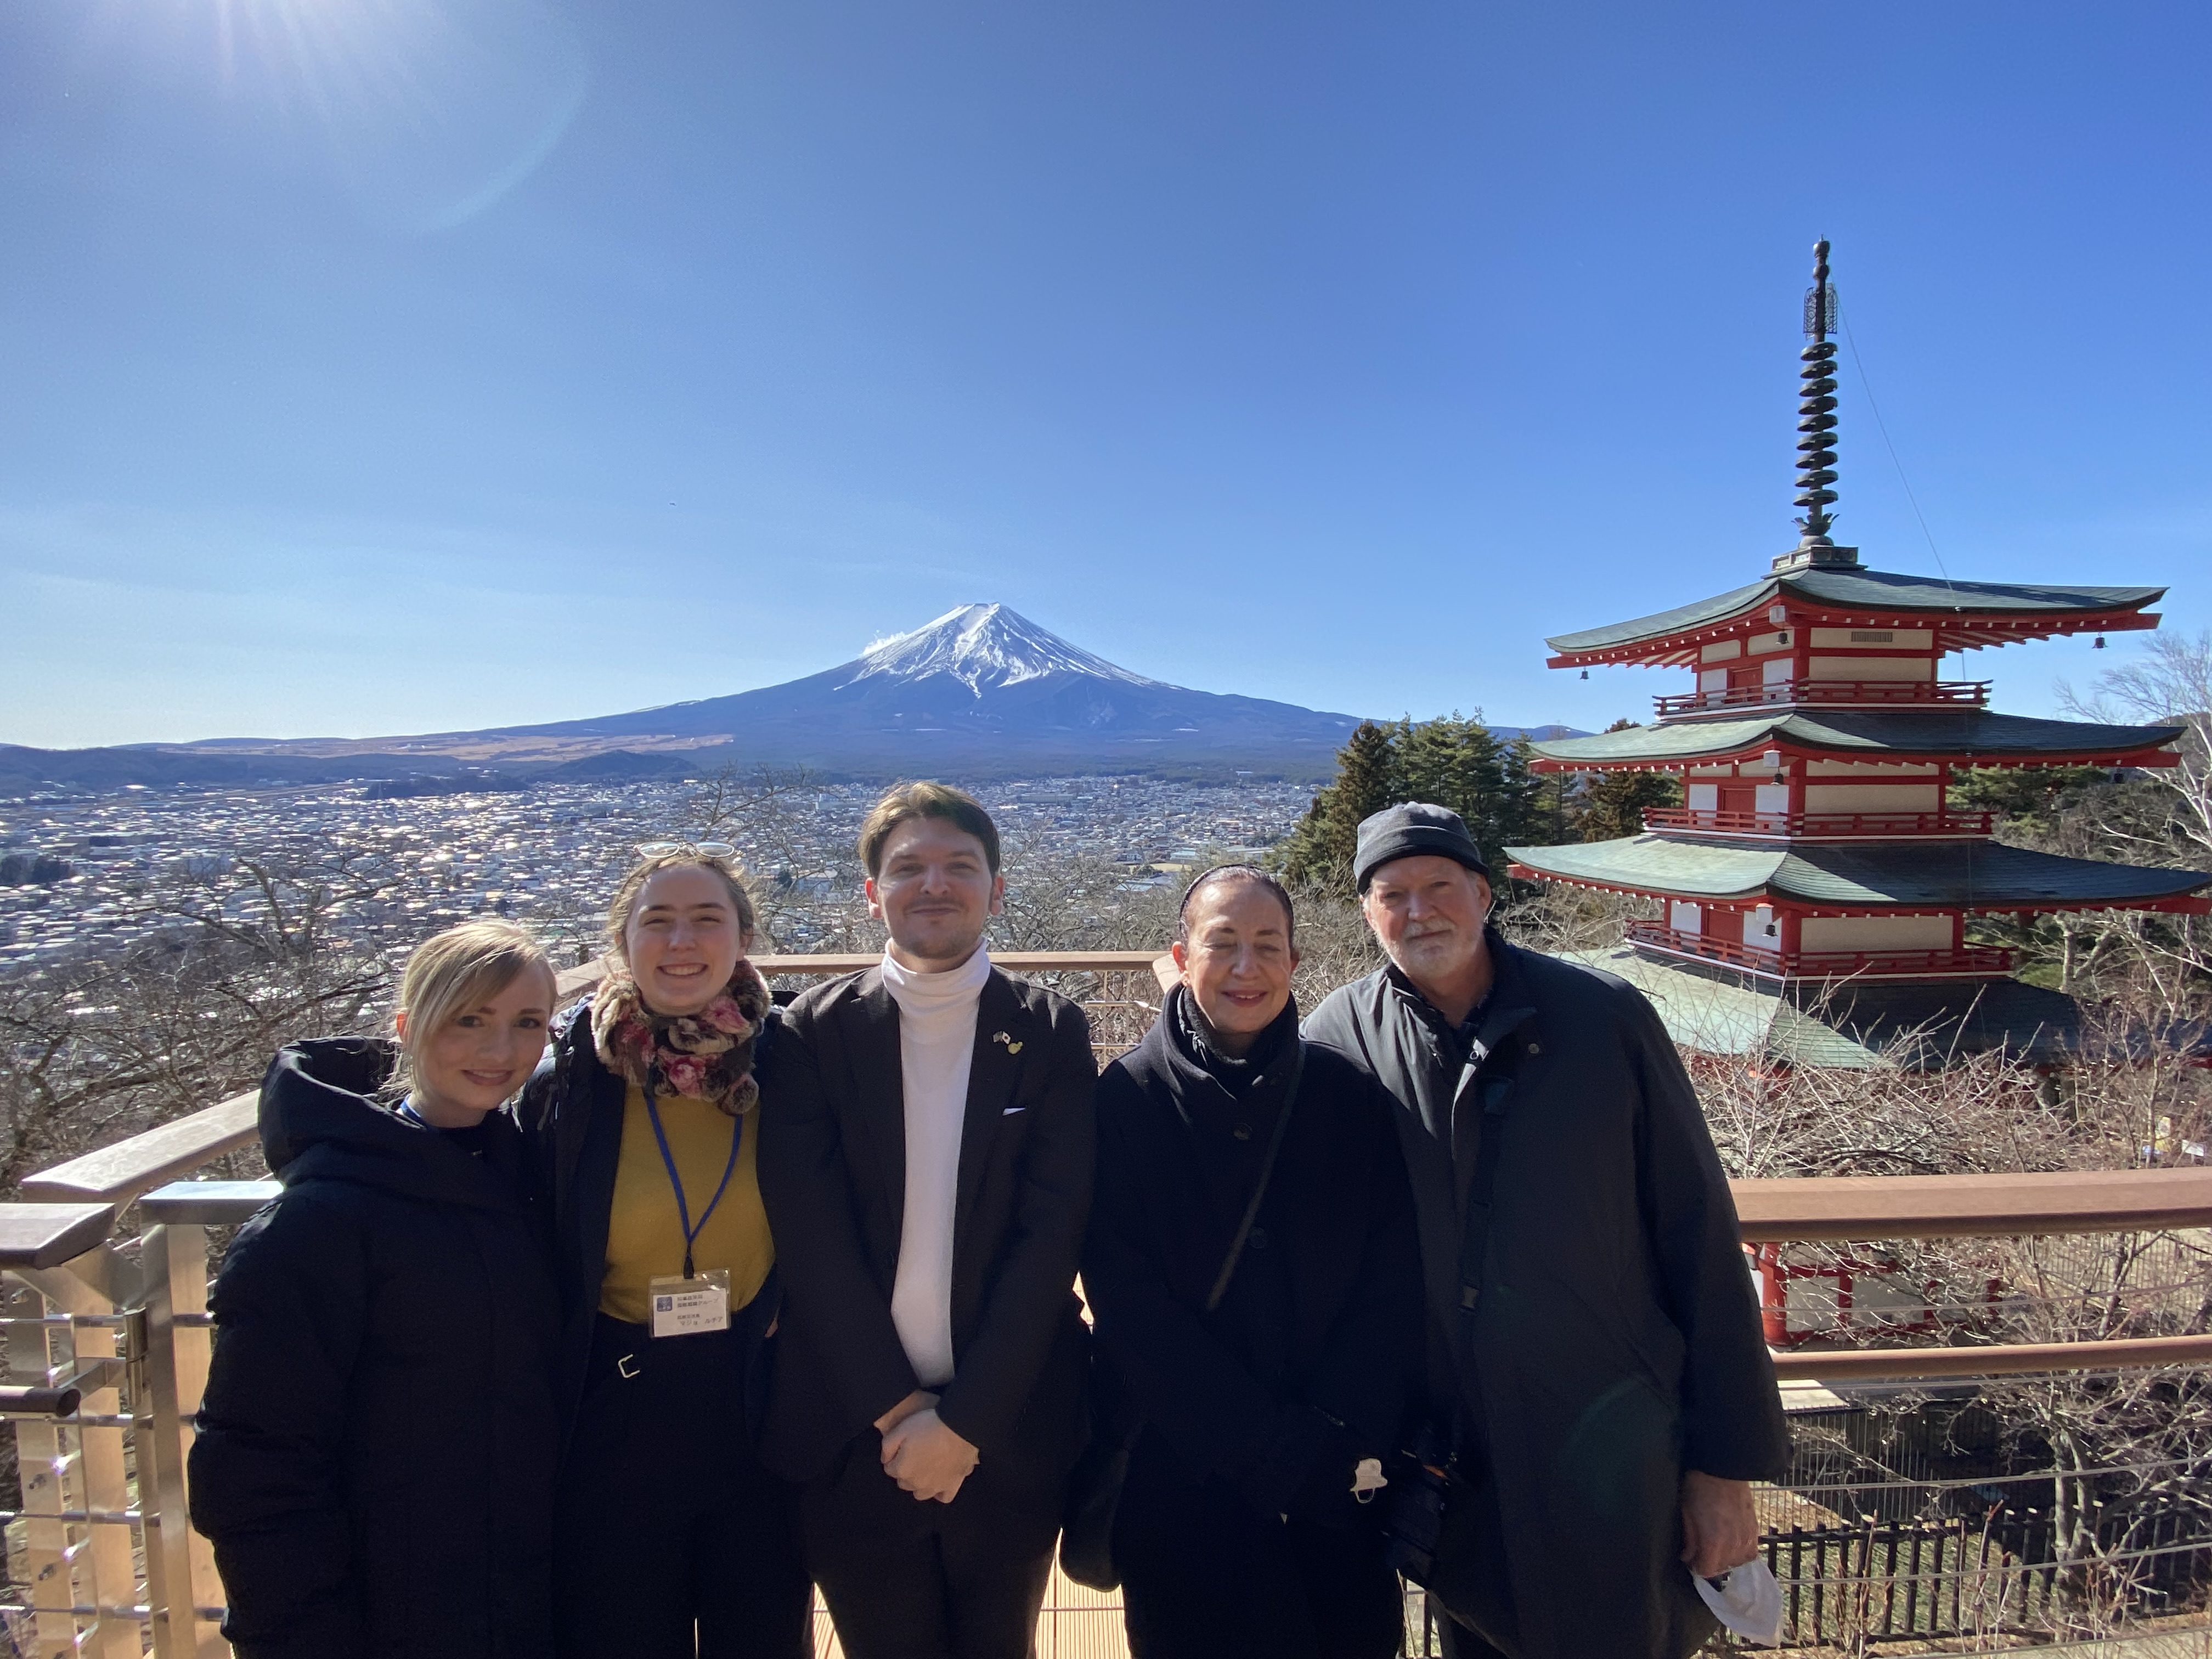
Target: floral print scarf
{"x": 707, "y": 1056}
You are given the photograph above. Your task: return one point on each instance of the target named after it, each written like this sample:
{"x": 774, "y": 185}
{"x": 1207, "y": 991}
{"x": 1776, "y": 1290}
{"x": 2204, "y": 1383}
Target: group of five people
{"x": 609, "y": 1332}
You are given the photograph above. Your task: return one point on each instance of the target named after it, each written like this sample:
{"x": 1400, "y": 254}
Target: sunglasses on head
{"x": 712, "y": 849}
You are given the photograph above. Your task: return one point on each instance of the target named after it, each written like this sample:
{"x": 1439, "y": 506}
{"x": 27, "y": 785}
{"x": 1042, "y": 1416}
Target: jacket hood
{"x": 320, "y": 1120}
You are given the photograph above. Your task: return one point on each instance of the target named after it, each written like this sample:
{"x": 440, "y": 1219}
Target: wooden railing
{"x": 1974, "y": 961}
{"x": 1782, "y": 694}
{"x": 1820, "y": 826}
{"x": 111, "y": 1334}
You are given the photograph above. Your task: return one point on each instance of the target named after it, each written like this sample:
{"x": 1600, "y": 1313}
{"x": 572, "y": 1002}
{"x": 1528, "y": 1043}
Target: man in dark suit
{"x": 925, "y": 1153}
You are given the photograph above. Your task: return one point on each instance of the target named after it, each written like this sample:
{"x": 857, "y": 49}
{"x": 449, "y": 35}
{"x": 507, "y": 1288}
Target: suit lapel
{"x": 1002, "y": 1031}
{"x": 869, "y": 1022}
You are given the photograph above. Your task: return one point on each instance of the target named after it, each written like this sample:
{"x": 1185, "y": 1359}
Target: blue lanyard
{"x": 682, "y": 1211}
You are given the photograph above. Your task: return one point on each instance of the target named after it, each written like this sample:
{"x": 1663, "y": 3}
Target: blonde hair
{"x": 626, "y": 895}
{"x": 458, "y": 969}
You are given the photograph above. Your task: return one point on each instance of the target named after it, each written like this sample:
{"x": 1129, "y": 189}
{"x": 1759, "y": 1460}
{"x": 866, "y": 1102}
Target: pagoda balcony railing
{"x": 105, "y": 1273}
{"x": 1784, "y": 694}
{"x": 1818, "y": 826}
{"x": 1973, "y": 960}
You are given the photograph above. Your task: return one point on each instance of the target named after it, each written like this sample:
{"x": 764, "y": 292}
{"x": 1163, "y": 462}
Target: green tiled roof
{"x": 1975, "y": 874}
{"x": 1873, "y": 590}
{"x": 1863, "y": 732}
{"x": 1857, "y": 1027}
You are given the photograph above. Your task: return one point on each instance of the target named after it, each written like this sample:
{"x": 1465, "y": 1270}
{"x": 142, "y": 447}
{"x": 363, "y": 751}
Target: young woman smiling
{"x": 376, "y": 1450}
{"x": 673, "y": 1540}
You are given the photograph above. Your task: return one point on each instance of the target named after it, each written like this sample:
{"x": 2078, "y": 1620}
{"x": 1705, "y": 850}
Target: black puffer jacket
{"x": 377, "y": 1445}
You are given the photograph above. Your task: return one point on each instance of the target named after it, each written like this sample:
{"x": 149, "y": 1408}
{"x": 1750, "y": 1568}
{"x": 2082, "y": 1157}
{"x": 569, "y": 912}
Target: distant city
{"x": 83, "y": 879}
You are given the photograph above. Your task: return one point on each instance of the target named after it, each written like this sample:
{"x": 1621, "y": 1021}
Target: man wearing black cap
{"x": 1596, "y": 1367}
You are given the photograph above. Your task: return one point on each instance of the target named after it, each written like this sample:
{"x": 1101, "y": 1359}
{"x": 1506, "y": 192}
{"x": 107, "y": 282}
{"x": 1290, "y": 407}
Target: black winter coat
{"x": 377, "y": 1444}
{"x": 1311, "y": 1361}
{"x": 1608, "y": 1336}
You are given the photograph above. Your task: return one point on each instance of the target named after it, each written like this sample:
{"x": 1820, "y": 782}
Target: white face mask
{"x": 1749, "y": 1602}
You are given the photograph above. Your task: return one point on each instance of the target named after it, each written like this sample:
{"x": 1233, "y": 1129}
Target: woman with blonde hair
{"x": 673, "y": 1540}
{"x": 377, "y": 1446}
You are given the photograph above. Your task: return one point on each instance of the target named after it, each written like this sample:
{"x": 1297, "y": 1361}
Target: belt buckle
{"x": 626, "y": 1367}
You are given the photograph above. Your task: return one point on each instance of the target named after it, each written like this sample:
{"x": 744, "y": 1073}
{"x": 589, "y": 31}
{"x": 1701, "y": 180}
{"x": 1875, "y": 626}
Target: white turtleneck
{"x": 937, "y": 1048}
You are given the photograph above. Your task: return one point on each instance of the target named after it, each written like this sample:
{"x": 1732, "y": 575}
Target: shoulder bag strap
{"x": 1266, "y": 1171}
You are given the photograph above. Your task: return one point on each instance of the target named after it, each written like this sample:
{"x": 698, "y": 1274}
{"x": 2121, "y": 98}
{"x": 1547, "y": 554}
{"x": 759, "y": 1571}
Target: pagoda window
{"x": 1873, "y": 798}
{"x": 1685, "y": 918}
{"x": 1771, "y": 798}
{"x": 1860, "y": 639}
{"x": 1712, "y": 679}
{"x": 1737, "y": 797}
{"x": 1876, "y": 933}
{"x": 1874, "y": 668}
{"x": 1704, "y": 797}
{"x": 1869, "y": 770}
{"x": 1778, "y": 670}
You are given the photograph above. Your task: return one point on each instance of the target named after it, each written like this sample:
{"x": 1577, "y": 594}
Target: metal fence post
{"x": 179, "y": 1564}
{"x": 95, "y": 1478}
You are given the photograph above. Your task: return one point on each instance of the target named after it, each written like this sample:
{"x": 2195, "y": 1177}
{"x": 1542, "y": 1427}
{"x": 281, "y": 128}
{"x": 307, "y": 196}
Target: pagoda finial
{"x": 1816, "y": 427}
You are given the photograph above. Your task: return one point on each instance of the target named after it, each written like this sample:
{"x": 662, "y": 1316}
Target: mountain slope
{"x": 979, "y": 692}
{"x": 980, "y": 684}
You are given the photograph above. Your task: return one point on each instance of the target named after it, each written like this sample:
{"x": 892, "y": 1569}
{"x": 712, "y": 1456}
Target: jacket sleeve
{"x": 1732, "y": 1421}
{"x": 1181, "y": 1379}
{"x": 267, "y": 1480}
{"x": 1043, "y": 1248}
{"x": 806, "y": 1189}
{"x": 1372, "y": 1376}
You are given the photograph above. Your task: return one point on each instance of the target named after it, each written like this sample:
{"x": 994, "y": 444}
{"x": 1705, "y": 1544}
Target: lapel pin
{"x": 1012, "y": 1046}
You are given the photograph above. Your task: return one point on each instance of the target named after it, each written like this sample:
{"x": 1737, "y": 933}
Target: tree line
{"x": 1456, "y": 760}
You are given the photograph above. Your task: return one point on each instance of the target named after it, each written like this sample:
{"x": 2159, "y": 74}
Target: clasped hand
{"x": 920, "y": 1452}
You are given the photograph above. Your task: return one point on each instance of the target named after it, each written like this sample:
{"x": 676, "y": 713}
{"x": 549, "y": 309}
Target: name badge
{"x": 686, "y": 1307}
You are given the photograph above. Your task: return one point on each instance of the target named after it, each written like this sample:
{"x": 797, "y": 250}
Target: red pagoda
{"x": 1817, "y": 880}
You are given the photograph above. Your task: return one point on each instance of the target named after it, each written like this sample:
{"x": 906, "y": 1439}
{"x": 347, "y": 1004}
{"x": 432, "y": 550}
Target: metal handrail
{"x": 1974, "y": 960}
{"x": 1940, "y": 693}
{"x": 1815, "y": 826}
{"x": 139, "y": 1318}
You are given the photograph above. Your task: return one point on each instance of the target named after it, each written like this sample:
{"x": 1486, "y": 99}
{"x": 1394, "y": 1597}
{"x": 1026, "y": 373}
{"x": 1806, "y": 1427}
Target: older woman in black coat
{"x": 1266, "y": 1400}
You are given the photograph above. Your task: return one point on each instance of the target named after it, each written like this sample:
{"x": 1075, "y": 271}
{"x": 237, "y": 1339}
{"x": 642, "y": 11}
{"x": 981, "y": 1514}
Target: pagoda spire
{"x": 1816, "y": 427}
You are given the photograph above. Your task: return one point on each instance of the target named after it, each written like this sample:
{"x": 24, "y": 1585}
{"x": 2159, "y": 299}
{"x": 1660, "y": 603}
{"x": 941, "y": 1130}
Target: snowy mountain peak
{"x": 984, "y": 647}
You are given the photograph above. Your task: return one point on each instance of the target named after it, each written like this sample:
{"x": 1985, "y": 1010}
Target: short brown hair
{"x": 455, "y": 970}
{"x": 625, "y": 899}
{"x": 904, "y": 802}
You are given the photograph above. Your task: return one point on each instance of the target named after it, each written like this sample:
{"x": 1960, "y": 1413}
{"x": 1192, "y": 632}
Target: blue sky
{"x": 381, "y": 366}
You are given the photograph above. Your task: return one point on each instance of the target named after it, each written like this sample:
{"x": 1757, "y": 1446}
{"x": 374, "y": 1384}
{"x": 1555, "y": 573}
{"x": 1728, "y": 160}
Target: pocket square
{"x": 1011, "y": 1110}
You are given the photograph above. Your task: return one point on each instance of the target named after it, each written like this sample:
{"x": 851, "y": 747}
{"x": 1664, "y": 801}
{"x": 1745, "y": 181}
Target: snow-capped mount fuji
{"x": 980, "y": 692}
{"x": 985, "y": 648}
{"x": 982, "y": 687}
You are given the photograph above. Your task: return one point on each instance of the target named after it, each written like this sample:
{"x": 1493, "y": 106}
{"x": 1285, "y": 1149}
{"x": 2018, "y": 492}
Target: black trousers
{"x": 906, "y": 1579}
{"x": 1204, "y": 1575}
{"x": 674, "y": 1542}
{"x": 1473, "y": 1583}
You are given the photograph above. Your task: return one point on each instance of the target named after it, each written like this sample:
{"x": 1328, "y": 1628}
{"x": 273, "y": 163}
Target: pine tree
{"x": 1613, "y": 803}
{"x": 1320, "y": 847}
